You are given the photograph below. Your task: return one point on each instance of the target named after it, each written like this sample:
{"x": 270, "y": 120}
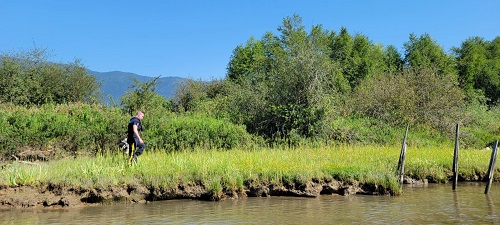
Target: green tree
{"x": 392, "y": 60}
{"x": 341, "y": 50}
{"x": 144, "y": 97}
{"x": 420, "y": 97}
{"x": 12, "y": 78}
{"x": 357, "y": 56}
{"x": 246, "y": 60}
{"x": 299, "y": 82}
{"x": 87, "y": 89}
{"x": 28, "y": 78}
{"x": 341, "y": 45}
{"x": 425, "y": 52}
{"x": 292, "y": 87}
{"x": 189, "y": 95}
{"x": 478, "y": 63}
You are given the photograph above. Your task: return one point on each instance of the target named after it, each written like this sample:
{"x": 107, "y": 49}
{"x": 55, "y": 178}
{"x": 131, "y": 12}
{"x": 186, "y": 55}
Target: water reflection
{"x": 435, "y": 204}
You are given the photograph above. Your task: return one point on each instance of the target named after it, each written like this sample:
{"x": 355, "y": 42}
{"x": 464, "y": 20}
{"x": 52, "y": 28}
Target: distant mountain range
{"x": 117, "y": 83}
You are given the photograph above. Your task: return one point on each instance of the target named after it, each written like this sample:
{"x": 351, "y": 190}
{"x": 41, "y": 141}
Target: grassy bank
{"x": 232, "y": 170}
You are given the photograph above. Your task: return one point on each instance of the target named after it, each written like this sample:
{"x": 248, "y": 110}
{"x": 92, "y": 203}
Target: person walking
{"x": 134, "y": 140}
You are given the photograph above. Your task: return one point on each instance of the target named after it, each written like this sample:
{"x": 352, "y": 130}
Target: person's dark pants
{"x": 134, "y": 147}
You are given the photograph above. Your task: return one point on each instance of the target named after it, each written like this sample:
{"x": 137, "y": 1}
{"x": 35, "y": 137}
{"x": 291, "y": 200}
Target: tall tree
{"x": 143, "y": 97}
{"x": 246, "y": 59}
{"x": 297, "y": 78}
{"x": 357, "y": 56}
{"x": 478, "y": 63}
{"x": 424, "y": 52}
{"x": 392, "y": 60}
{"x": 341, "y": 50}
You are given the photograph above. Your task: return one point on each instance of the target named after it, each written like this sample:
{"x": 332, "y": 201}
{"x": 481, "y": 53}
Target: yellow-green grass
{"x": 233, "y": 169}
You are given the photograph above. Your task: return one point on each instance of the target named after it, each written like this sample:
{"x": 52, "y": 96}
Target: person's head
{"x": 140, "y": 115}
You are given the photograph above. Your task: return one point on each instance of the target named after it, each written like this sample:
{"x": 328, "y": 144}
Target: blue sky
{"x": 195, "y": 39}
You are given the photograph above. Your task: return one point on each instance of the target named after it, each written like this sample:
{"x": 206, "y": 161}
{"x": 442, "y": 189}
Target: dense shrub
{"x": 57, "y": 130}
{"x": 27, "y": 78}
{"x": 180, "y": 132}
{"x": 481, "y": 128}
{"x": 420, "y": 97}
{"x": 52, "y": 131}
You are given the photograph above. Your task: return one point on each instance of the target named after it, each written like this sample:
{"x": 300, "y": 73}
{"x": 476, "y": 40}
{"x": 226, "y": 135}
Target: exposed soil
{"x": 55, "y": 196}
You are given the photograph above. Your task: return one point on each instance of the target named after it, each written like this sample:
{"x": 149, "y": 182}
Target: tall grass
{"x": 436, "y": 163}
{"x": 231, "y": 170}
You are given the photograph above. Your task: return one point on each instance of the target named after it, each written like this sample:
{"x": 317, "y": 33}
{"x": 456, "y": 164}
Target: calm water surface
{"x": 434, "y": 204}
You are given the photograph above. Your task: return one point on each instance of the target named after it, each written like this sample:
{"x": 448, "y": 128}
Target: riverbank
{"x": 218, "y": 175}
{"x": 61, "y": 196}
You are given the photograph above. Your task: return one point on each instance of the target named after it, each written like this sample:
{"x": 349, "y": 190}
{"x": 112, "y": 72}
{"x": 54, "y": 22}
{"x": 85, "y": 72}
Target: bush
{"x": 28, "y": 79}
{"x": 481, "y": 128}
{"x": 420, "y": 97}
{"x": 57, "y": 130}
{"x": 54, "y": 131}
{"x": 370, "y": 131}
{"x": 180, "y": 132}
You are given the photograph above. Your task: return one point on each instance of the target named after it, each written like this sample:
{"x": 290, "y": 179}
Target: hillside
{"x": 117, "y": 83}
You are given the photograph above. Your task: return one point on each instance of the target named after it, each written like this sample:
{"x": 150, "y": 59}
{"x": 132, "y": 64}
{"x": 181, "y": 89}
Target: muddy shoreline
{"x": 56, "y": 196}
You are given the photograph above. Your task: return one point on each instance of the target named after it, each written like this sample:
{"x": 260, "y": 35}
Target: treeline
{"x": 325, "y": 85}
{"x": 293, "y": 88}
{"x": 50, "y": 111}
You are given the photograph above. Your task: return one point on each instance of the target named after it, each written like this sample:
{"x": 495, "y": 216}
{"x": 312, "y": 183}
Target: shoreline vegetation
{"x": 300, "y": 113}
{"x": 226, "y": 174}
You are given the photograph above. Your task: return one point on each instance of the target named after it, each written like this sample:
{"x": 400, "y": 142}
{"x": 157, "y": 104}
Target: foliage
{"x": 392, "y": 60}
{"x": 143, "y": 97}
{"x": 357, "y": 57}
{"x": 415, "y": 97}
{"x": 481, "y": 127}
{"x": 28, "y": 79}
{"x": 54, "y": 131}
{"x": 479, "y": 68}
{"x": 189, "y": 94}
{"x": 181, "y": 132}
{"x": 299, "y": 85}
{"x": 289, "y": 80}
{"x": 425, "y": 52}
{"x": 247, "y": 60}
{"x": 299, "y": 80}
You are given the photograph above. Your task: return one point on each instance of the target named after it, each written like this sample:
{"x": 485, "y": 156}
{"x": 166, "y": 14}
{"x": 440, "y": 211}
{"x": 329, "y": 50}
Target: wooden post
{"x": 455, "y": 160}
{"x": 491, "y": 169}
{"x": 402, "y": 156}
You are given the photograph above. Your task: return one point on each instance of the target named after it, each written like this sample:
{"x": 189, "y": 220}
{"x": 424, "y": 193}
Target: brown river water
{"x": 433, "y": 204}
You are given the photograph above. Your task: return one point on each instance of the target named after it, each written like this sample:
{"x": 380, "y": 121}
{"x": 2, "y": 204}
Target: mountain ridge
{"x": 116, "y": 83}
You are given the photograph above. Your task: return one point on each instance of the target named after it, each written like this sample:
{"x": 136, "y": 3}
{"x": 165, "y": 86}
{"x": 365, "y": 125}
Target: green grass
{"x": 232, "y": 169}
{"x": 437, "y": 163}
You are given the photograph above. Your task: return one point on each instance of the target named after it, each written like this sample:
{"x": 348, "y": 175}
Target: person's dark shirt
{"x": 131, "y": 123}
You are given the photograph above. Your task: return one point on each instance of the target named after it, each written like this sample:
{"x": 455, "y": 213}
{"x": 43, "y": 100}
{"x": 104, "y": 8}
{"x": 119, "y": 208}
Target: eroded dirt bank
{"x": 56, "y": 196}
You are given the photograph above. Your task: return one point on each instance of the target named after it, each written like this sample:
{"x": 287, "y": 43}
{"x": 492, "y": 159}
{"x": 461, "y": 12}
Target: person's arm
{"x": 136, "y": 132}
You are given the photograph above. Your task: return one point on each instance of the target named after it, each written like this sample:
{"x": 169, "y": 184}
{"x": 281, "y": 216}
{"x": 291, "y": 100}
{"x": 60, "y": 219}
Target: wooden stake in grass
{"x": 491, "y": 168}
{"x": 402, "y": 156}
{"x": 455, "y": 160}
